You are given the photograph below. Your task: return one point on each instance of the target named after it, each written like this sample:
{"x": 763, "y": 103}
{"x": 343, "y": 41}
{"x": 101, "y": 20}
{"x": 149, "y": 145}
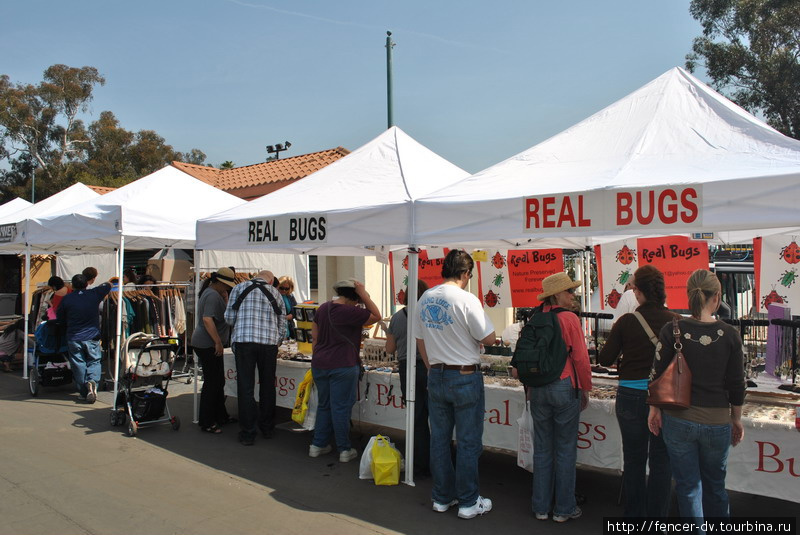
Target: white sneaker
{"x": 91, "y": 396}
{"x": 483, "y": 505}
{"x": 443, "y": 507}
{"x": 563, "y": 518}
{"x": 542, "y": 516}
{"x": 316, "y": 451}
{"x": 348, "y": 455}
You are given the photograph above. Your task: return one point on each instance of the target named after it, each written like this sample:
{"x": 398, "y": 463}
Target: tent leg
{"x": 27, "y": 306}
{"x": 411, "y": 362}
{"x": 120, "y": 304}
{"x": 196, "y": 405}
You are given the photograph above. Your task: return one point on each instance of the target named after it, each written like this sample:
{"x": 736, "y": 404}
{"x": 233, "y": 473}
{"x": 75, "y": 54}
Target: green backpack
{"x": 540, "y": 354}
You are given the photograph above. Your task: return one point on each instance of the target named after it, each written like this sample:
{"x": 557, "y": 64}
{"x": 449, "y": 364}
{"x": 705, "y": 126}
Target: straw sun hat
{"x": 226, "y": 276}
{"x": 557, "y": 282}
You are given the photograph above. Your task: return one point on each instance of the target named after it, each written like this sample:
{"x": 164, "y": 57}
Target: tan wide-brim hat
{"x": 226, "y": 276}
{"x": 347, "y": 283}
{"x": 557, "y": 282}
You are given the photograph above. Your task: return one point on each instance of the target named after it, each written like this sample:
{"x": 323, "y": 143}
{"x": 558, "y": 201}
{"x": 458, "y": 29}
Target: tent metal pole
{"x": 120, "y": 304}
{"x": 411, "y": 361}
{"x": 196, "y": 406}
{"x": 26, "y": 305}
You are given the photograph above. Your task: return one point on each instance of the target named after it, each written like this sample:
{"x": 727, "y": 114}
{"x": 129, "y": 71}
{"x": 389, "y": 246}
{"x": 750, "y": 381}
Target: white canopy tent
{"x": 14, "y": 205}
{"x": 13, "y": 230}
{"x": 156, "y": 211}
{"x": 672, "y": 157}
{"x": 364, "y": 199}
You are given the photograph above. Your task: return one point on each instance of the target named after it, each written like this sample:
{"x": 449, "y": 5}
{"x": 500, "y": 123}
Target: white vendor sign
{"x": 766, "y": 463}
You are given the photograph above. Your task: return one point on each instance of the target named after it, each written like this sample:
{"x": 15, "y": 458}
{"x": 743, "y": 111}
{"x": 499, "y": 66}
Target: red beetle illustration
{"x": 401, "y": 296}
{"x": 791, "y": 253}
{"x": 498, "y": 260}
{"x": 491, "y": 299}
{"x": 773, "y": 297}
{"x": 405, "y": 263}
{"x": 612, "y": 299}
{"x": 626, "y": 255}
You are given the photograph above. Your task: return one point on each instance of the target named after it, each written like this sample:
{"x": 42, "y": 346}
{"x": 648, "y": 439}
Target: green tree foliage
{"x": 41, "y": 134}
{"x": 227, "y": 164}
{"x": 750, "y": 48}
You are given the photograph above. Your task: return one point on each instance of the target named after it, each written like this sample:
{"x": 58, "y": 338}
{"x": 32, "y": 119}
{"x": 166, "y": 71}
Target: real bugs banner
{"x": 430, "y": 270}
{"x": 617, "y": 261}
{"x": 513, "y": 278}
{"x": 677, "y": 257}
{"x": 778, "y": 271}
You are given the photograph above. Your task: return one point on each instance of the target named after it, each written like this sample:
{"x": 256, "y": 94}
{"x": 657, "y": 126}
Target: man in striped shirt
{"x": 258, "y": 318}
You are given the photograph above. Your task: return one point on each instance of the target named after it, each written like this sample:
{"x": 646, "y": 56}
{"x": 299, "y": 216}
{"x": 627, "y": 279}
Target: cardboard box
{"x": 170, "y": 265}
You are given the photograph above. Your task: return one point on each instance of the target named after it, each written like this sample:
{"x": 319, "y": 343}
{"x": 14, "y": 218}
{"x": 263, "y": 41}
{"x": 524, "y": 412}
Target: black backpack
{"x": 540, "y": 354}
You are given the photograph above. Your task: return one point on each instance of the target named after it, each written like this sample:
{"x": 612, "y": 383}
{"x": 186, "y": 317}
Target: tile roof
{"x": 255, "y": 180}
{"x": 102, "y": 190}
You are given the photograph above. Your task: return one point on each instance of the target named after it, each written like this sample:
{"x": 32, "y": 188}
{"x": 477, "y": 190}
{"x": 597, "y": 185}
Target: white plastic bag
{"x": 311, "y": 413}
{"x": 525, "y": 439}
{"x": 365, "y": 468}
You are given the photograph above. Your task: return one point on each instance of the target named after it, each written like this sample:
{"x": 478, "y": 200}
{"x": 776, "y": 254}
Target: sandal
{"x": 211, "y": 429}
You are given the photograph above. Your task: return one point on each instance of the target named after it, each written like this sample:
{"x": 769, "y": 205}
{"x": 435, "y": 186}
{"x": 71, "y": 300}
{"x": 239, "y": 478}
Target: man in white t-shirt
{"x": 450, "y": 326}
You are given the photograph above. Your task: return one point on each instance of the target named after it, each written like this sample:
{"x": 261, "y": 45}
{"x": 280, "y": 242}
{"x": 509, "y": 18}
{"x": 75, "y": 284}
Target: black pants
{"x": 422, "y": 433}
{"x": 212, "y": 397}
{"x": 252, "y": 417}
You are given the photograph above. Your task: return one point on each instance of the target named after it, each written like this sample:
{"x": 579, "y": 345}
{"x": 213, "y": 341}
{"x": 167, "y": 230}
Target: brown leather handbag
{"x": 673, "y": 388}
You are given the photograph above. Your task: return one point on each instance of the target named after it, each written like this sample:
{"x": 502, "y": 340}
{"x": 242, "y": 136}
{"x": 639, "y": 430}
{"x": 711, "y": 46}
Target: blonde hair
{"x": 701, "y": 286}
{"x": 288, "y": 280}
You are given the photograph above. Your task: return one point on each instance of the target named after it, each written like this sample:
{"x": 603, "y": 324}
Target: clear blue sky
{"x": 474, "y": 81}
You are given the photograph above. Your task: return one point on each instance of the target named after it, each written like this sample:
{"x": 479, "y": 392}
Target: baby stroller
{"x": 146, "y": 364}
{"x": 50, "y": 366}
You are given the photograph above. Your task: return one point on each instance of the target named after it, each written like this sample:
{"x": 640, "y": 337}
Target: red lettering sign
{"x": 657, "y": 207}
{"x": 555, "y": 212}
{"x": 676, "y": 257}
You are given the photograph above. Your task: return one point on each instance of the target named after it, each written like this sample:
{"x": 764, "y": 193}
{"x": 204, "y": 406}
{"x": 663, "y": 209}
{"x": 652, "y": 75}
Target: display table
{"x": 767, "y": 462}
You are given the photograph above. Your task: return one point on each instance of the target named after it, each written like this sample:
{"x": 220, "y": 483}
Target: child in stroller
{"x": 50, "y": 366}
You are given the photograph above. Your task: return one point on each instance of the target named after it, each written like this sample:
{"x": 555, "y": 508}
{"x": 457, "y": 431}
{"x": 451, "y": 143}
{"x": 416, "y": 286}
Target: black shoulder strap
{"x": 261, "y": 286}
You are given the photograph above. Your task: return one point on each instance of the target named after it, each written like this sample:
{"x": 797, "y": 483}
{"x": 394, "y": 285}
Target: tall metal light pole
{"x": 390, "y": 105}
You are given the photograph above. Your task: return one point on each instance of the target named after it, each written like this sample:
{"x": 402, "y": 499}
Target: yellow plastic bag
{"x": 301, "y": 401}
{"x": 385, "y": 462}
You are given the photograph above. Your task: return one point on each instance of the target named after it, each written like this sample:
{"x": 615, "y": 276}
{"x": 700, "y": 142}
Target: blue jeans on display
{"x": 84, "y": 359}
{"x": 455, "y": 400}
{"x": 252, "y": 417}
{"x": 644, "y": 496}
{"x": 336, "y": 392}
{"x": 699, "y": 455}
{"x": 556, "y": 412}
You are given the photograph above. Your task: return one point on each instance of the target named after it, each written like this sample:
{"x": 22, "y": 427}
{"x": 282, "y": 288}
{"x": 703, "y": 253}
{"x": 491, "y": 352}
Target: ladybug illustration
{"x": 624, "y": 277}
{"x": 498, "y": 280}
{"x": 789, "y": 277}
{"x": 401, "y": 296}
{"x": 405, "y": 263}
{"x": 491, "y": 299}
{"x": 791, "y": 253}
{"x": 773, "y": 297}
{"x": 498, "y": 261}
{"x": 612, "y": 299}
{"x": 626, "y": 255}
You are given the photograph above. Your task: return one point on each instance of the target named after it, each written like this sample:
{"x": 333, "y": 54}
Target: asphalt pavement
{"x": 64, "y": 470}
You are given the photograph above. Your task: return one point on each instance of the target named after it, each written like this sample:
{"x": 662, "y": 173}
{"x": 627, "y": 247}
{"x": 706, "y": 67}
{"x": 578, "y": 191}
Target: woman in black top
{"x": 698, "y": 438}
{"x": 631, "y": 344}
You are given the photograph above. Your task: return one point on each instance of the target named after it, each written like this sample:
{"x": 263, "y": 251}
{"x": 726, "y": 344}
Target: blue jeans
{"x": 422, "y": 433}
{"x": 84, "y": 359}
{"x": 699, "y": 455}
{"x": 336, "y": 391}
{"x": 644, "y": 496}
{"x": 455, "y": 400}
{"x": 556, "y": 412}
{"x": 252, "y": 417}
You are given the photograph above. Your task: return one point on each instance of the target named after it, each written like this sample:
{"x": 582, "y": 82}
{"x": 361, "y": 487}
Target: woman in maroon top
{"x": 335, "y": 365}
